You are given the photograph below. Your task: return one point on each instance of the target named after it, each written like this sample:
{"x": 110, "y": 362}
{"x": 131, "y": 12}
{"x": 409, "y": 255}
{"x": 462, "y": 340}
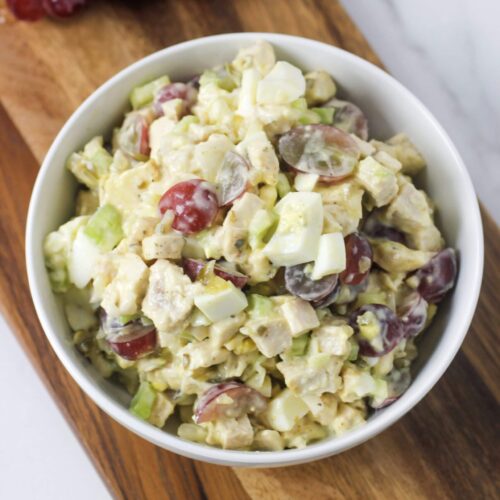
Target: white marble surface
{"x": 446, "y": 52}
{"x": 40, "y": 458}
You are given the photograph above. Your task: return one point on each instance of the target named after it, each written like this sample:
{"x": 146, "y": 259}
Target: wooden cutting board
{"x": 447, "y": 447}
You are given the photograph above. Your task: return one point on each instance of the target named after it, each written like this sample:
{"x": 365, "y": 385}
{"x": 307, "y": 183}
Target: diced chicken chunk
{"x": 122, "y": 296}
{"x": 224, "y": 330}
{"x": 162, "y": 246}
{"x": 312, "y": 376}
{"x": 396, "y": 258}
{"x": 401, "y": 148}
{"x": 342, "y": 207}
{"x": 427, "y": 238}
{"x": 231, "y": 433}
{"x": 162, "y": 409}
{"x": 271, "y": 336}
{"x": 203, "y": 354}
{"x": 300, "y": 316}
{"x": 379, "y": 181}
{"x": 410, "y": 209}
{"x": 268, "y": 440}
{"x": 320, "y": 87}
{"x": 333, "y": 339}
{"x": 169, "y": 298}
{"x": 347, "y": 418}
{"x": 262, "y": 157}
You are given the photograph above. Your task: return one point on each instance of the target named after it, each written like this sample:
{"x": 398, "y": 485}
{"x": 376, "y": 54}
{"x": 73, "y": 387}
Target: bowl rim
{"x": 442, "y": 355}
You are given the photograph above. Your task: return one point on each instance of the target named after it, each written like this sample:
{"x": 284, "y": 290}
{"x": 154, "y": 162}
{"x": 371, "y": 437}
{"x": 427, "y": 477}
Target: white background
{"x": 445, "y": 51}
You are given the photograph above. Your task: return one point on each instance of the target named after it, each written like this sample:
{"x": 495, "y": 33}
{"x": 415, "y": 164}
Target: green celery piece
{"x": 144, "y": 94}
{"x": 299, "y": 345}
{"x": 353, "y": 355}
{"x": 221, "y": 78}
{"x": 309, "y": 117}
{"x": 101, "y": 160}
{"x": 127, "y": 318}
{"x": 283, "y": 185}
{"x": 260, "y": 225}
{"x": 105, "y": 227}
{"x": 300, "y": 104}
{"x": 143, "y": 401}
{"x": 325, "y": 115}
{"x": 259, "y": 306}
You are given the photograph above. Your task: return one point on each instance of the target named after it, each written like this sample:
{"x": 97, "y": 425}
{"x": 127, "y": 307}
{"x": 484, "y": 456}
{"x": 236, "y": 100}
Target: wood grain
{"x": 447, "y": 447}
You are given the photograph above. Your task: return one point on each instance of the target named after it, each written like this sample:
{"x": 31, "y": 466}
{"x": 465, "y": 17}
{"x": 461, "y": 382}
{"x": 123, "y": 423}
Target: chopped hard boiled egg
{"x": 285, "y": 410}
{"x": 282, "y": 85}
{"x": 331, "y": 256}
{"x": 220, "y": 299}
{"x": 82, "y": 259}
{"x": 299, "y": 228}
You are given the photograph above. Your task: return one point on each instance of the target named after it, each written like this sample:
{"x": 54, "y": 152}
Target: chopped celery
{"x": 309, "y": 117}
{"x": 127, "y": 318}
{"x": 372, "y": 298}
{"x": 283, "y": 185}
{"x": 105, "y": 227}
{"x": 259, "y": 227}
{"x": 353, "y": 355}
{"x": 259, "y": 306}
{"x": 300, "y": 104}
{"x": 100, "y": 158}
{"x": 144, "y": 94}
{"x": 325, "y": 114}
{"x": 299, "y": 345}
{"x": 143, "y": 401}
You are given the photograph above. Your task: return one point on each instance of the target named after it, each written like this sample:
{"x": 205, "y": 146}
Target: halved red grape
{"x": 299, "y": 282}
{"x": 413, "y": 314}
{"x": 239, "y": 400}
{"x": 232, "y": 178}
{"x": 375, "y": 228}
{"x": 193, "y": 267}
{"x": 194, "y": 204}
{"x": 329, "y": 299}
{"x": 184, "y": 91}
{"x": 62, "y": 8}
{"x": 397, "y": 383}
{"x": 319, "y": 149}
{"x": 359, "y": 257}
{"x": 133, "y": 137}
{"x": 133, "y": 346}
{"x": 26, "y": 10}
{"x": 384, "y": 328}
{"x": 349, "y": 117}
{"x": 130, "y": 340}
{"x": 438, "y": 276}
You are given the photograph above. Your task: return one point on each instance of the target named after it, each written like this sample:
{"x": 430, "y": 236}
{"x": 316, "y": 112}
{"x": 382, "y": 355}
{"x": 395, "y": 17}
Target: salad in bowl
{"x": 246, "y": 260}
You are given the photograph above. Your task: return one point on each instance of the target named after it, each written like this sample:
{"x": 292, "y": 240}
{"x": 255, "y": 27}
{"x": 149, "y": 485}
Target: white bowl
{"x": 390, "y": 108}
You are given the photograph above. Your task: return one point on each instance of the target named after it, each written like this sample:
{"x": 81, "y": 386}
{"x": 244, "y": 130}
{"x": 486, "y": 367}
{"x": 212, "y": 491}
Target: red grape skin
{"x": 397, "y": 383}
{"x": 349, "y": 117}
{"x": 413, "y": 314}
{"x": 303, "y": 148}
{"x": 390, "y": 334}
{"x": 194, "y": 204}
{"x": 27, "y": 10}
{"x": 245, "y": 400}
{"x": 298, "y": 283}
{"x": 232, "y": 178}
{"x": 131, "y": 348}
{"x": 359, "y": 257}
{"x": 192, "y": 268}
{"x": 62, "y": 8}
{"x": 374, "y": 228}
{"x": 186, "y": 92}
{"x": 438, "y": 276}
